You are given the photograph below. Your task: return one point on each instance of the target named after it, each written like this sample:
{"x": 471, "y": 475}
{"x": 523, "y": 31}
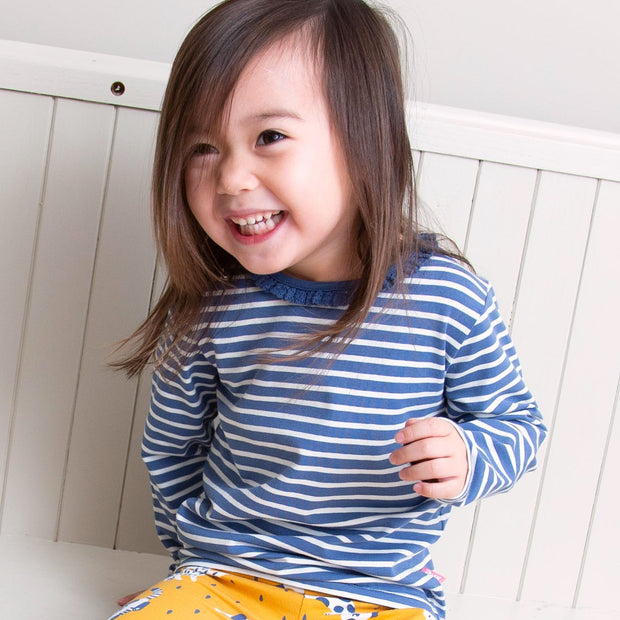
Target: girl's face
{"x": 271, "y": 186}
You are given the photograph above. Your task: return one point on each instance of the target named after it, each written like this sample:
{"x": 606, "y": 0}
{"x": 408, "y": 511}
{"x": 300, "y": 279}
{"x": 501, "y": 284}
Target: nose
{"x": 235, "y": 174}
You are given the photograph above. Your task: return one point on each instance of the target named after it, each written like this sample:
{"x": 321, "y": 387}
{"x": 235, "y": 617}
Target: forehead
{"x": 282, "y": 79}
{"x": 285, "y": 71}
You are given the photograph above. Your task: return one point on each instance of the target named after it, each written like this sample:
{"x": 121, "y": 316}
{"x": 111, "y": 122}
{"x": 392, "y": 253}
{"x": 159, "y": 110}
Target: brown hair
{"x": 358, "y": 55}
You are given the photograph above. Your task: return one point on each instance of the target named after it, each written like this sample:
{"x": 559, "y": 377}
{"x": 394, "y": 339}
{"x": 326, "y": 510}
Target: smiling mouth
{"x": 258, "y": 224}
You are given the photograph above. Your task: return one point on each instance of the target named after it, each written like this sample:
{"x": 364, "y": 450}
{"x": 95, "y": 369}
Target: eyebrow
{"x": 261, "y": 116}
{"x": 274, "y": 114}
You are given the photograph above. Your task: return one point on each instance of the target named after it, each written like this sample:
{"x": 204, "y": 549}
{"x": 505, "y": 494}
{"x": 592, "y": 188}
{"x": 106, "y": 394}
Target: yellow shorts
{"x": 196, "y": 592}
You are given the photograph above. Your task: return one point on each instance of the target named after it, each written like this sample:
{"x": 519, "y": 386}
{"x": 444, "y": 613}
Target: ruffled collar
{"x": 305, "y": 292}
{"x": 327, "y": 294}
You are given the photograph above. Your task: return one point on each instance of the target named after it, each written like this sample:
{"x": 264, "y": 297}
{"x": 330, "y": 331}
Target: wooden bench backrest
{"x": 536, "y": 208}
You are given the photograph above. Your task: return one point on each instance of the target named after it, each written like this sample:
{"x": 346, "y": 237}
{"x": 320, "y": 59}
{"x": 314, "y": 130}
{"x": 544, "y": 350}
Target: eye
{"x": 203, "y": 149}
{"x": 269, "y": 137}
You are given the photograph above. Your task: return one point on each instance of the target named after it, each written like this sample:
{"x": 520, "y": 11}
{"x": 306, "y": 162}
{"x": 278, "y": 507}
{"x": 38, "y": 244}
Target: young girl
{"x": 329, "y": 382}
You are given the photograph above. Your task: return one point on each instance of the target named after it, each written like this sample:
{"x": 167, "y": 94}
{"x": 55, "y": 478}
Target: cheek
{"x": 198, "y": 191}
{"x": 335, "y": 190}
{"x": 192, "y": 183}
{"x": 200, "y": 201}
{"x": 318, "y": 178}
{"x": 333, "y": 172}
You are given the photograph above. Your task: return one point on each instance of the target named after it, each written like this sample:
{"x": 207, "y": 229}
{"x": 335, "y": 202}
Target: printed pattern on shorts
{"x": 192, "y": 592}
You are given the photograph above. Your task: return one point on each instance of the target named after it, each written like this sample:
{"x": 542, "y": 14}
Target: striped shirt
{"x": 280, "y": 468}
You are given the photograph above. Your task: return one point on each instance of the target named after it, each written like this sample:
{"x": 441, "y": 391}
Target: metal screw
{"x": 118, "y": 88}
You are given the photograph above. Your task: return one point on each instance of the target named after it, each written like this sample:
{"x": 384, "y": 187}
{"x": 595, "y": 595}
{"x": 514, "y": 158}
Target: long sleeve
{"x": 177, "y": 438}
{"x": 494, "y": 410}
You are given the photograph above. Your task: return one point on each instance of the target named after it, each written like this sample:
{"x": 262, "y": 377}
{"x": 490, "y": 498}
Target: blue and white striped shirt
{"x": 281, "y": 469}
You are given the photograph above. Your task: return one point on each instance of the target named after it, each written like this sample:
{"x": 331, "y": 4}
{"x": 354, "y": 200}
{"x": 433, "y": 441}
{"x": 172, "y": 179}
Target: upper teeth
{"x": 253, "y": 219}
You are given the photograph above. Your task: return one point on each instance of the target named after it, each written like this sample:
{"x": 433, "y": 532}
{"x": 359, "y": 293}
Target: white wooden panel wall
{"x": 78, "y": 268}
{"x": 536, "y": 208}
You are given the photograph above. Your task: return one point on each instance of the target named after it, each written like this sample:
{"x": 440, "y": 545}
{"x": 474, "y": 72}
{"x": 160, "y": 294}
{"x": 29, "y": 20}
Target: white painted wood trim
{"x": 86, "y": 76}
{"x": 515, "y": 141}
{"x": 438, "y": 129}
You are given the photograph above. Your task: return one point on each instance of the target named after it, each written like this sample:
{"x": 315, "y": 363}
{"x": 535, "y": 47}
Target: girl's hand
{"x": 436, "y": 455}
{"x": 127, "y": 599}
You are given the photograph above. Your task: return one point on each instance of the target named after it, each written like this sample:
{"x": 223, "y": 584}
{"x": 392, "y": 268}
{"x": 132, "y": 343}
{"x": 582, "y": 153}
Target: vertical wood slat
{"x": 601, "y": 567}
{"x": 541, "y": 329}
{"x": 550, "y": 280}
{"x": 446, "y": 188}
{"x": 498, "y": 228}
{"x": 583, "y": 417}
{"x": 136, "y": 527}
{"x": 451, "y": 550}
{"x": 119, "y": 301}
{"x": 26, "y": 122}
{"x": 55, "y": 324}
{"x": 601, "y": 570}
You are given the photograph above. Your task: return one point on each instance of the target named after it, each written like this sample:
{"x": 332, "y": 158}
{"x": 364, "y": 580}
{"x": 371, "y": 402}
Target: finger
{"x": 127, "y": 599}
{"x": 447, "y": 489}
{"x": 421, "y": 450}
{"x": 436, "y": 469}
{"x": 423, "y": 429}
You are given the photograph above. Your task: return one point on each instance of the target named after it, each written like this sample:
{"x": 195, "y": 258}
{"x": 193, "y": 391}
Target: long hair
{"x": 358, "y": 57}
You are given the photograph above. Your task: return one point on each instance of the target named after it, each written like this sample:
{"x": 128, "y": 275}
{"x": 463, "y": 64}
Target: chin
{"x": 262, "y": 270}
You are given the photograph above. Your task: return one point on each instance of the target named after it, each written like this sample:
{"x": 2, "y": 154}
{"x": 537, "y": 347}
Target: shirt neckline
{"x": 330, "y": 294}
